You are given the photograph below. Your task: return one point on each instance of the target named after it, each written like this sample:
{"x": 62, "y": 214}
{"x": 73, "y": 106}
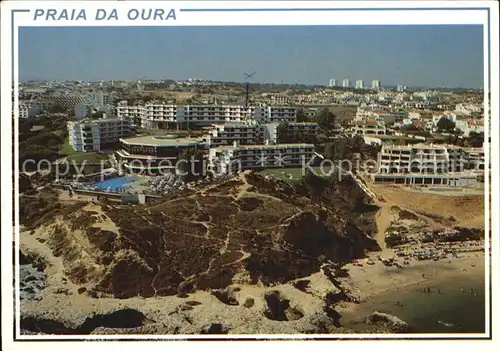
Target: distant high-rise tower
{"x": 401, "y": 88}
{"x": 346, "y": 83}
{"x": 332, "y": 83}
{"x": 375, "y": 84}
{"x": 359, "y": 84}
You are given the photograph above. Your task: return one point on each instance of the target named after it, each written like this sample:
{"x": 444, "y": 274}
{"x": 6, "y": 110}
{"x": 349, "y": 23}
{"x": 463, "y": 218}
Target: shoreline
{"x": 420, "y": 272}
{"x": 398, "y": 293}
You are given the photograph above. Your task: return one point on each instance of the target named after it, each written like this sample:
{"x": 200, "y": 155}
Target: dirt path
{"x": 386, "y": 214}
{"x": 243, "y": 189}
{"x": 54, "y": 272}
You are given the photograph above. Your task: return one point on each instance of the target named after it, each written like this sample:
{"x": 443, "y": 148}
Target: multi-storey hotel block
{"x": 97, "y": 134}
{"x": 154, "y": 154}
{"x": 248, "y": 133}
{"x": 152, "y": 114}
{"x": 235, "y": 158}
{"x": 299, "y": 131}
{"x": 369, "y": 126}
{"x": 251, "y": 132}
{"x": 429, "y": 164}
{"x": 27, "y": 110}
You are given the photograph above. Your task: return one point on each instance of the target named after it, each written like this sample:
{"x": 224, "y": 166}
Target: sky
{"x": 425, "y": 56}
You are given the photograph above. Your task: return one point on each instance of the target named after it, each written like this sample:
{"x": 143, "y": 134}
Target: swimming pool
{"x": 114, "y": 184}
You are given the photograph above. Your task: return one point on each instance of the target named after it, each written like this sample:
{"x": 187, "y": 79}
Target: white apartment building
{"x": 94, "y": 135}
{"x": 414, "y": 115}
{"x": 252, "y": 132}
{"x": 297, "y": 130}
{"x": 375, "y": 84}
{"x": 468, "y": 109}
{"x": 346, "y": 83}
{"x": 151, "y": 114}
{"x": 83, "y": 111}
{"x": 425, "y": 124}
{"x": 429, "y": 164}
{"x": 470, "y": 125}
{"x": 388, "y": 115}
{"x": 419, "y": 158}
{"x": 368, "y": 126}
{"x": 133, "y": 114}
{"x": 332, "y": 83}
{"x": 235, "y": 158}
{"x": 155, "y": 113}
{"x": 359, "y": 84}
{"x": 277, "y": 114}
{"x": 291, "y": 132}
{"x": 475, "y": 157}
{"x": 280, "y": 99}
{"x": 247, "y": 133}
{"x": 27, "y": 110}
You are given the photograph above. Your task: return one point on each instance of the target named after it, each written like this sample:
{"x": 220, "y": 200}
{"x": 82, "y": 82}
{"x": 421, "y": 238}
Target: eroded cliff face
{"x": 248, "y": 230}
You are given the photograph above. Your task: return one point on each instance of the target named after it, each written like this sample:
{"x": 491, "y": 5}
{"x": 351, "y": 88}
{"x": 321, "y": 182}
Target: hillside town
{"x": 387, "y": 181}
{"x": 423, "y": 137}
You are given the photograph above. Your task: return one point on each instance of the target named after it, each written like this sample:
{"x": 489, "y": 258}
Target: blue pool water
{"x": 114, "y": 184}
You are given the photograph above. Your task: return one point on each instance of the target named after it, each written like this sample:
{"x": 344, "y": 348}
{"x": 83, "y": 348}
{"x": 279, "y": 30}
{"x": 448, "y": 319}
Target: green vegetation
{"x": 301, "y": 115}
{"x": 88, "y": 157}
{"x": 473, "y": 140}
{"x": 444, "y": 124}
{"x": 51, "y": 143}
{"x": 326, "y": 119}
{"x": 345, "y": 149}
{"x": 42, "y": 144}
{"x": 66, "y": 149}
{"x": 57, "y": 108}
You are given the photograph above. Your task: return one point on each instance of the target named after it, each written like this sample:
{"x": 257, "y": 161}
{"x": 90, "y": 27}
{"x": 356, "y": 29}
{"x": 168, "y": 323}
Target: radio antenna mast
{"x": 247, "y": 86}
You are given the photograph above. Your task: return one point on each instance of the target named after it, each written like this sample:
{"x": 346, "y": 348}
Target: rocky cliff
{"x": 246, "y": 227}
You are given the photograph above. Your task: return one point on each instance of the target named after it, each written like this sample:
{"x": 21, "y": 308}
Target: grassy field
{"x": 89, "y": 157}
{"x": 67, "y": 149}
{"x": 343, "y": 112}
{"x": 78, "y": 156}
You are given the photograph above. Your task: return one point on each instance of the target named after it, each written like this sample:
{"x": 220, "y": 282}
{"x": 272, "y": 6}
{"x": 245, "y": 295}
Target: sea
{"x": 450, "y": 307}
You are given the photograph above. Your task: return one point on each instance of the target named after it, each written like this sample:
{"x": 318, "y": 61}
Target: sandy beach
{"x": 371, "y": 280}
{"x": 403, "y": 291}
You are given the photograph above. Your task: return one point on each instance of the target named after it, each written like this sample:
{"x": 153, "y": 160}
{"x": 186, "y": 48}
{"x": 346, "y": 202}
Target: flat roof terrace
{"x": 161, "y": 141}
{"x": 263, "y": 146}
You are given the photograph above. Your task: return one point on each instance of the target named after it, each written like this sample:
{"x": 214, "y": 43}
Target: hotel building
{"x": 367, "y": 126}
{"x": 235, "y": 158}
{"x": 133, "y": 114}
{"x": 429, "y": 164}
{"x": 375, "y": 84}
{"x": 360, "y": 84}
{"x": 98, "y": 134}
{"x": 152, "y": 114}
{"x": 248, "y": 132}
{"x": 27, "y": 110}
{"x": 154, "y": 154}
{"x": 251, "y": 132}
